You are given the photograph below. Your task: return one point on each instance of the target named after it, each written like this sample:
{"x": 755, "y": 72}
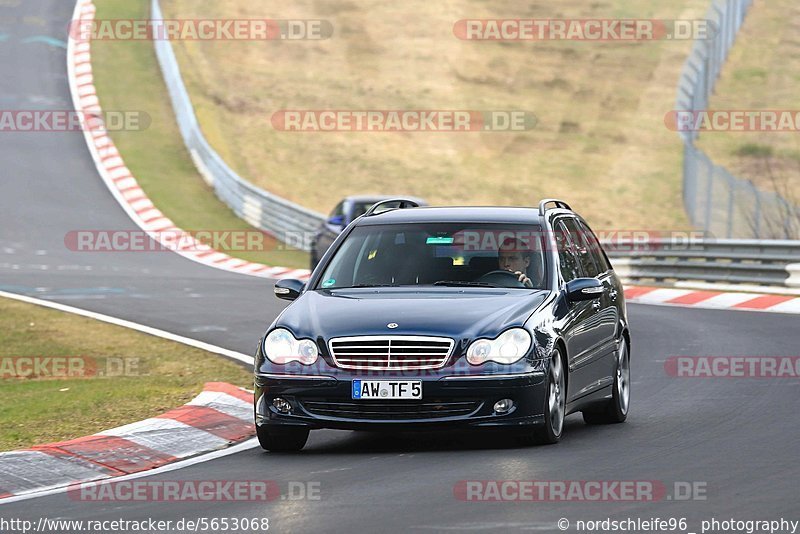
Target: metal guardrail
{"x": 732, "y": 261}
{"x": 286, "y": 220}
{"x": 716, "y": 201}
{"x": 739, "y": 261}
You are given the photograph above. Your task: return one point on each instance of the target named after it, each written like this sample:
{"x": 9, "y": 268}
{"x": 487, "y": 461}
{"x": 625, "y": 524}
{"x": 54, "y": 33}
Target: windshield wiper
{"x": 369, "y": 285}
{"x": 461, "y": 283}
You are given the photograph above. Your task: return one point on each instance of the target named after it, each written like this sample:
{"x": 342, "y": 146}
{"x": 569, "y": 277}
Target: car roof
{"x": 376, "y": 198}
{"x": 366, "y": 198}
{"x": 472, "y": 214}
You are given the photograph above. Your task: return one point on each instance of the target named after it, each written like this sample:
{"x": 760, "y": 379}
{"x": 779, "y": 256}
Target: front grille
{"x": 391, "y": 352}
{"x": 392, "y": 410}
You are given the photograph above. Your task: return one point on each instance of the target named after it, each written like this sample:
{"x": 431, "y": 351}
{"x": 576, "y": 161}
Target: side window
{"x": 594, "y": 248}
{"x": 360, "y": 209}
{"x": 338, "y": 210}
{"x": 337, "y": 218}
{"x": 585, "y": 258}
{"x": 566, "y": 254}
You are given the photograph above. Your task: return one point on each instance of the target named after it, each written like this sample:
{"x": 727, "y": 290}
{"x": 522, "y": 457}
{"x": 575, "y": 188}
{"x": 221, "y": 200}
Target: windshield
{"x": 445, "y": 254}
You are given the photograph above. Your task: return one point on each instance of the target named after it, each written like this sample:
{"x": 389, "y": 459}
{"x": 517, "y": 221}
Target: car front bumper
{"x": 447, "y": 402}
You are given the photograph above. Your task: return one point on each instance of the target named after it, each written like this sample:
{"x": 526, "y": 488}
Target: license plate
{"x": 387, "y": 389}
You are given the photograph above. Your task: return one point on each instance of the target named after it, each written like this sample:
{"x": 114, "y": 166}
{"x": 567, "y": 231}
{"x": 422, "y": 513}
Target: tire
{"x": 616, "y": 409}
{"x": 281, "y": 439}
{"x": 554, "y": 407}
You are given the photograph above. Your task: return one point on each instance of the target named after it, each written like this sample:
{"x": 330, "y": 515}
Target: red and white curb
{"x": 120, "y": 180}
{"x": 137, "y": 205}
{"x": 713, "y": 299}
{"x": 219, "y": 416}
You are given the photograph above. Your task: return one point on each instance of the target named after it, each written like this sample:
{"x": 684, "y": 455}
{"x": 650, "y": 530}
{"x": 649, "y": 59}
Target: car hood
{"x": 460, "y": 313}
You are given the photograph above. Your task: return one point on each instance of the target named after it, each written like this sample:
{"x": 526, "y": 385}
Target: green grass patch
{"x": 753, "y": 150}
{"x": 120, "y": 376}
{"x": 750, "y": 74}
{"x": 127, "y": 77}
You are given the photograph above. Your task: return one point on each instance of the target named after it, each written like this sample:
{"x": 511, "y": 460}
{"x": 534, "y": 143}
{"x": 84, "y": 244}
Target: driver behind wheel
{"x": 510, "y": 257}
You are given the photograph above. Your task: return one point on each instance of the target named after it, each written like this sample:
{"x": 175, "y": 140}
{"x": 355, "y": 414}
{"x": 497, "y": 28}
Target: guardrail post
{"x": 794, "y": 275}
{"x": 731, "y": 194}
{"x": 757, "y": 209}
{"x": 709, "y": 196}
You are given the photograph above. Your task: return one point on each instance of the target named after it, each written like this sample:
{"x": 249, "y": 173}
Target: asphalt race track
{"x": 737, "y": 438}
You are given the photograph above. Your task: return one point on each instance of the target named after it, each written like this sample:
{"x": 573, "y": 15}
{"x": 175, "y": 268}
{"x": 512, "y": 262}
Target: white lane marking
{"x": 333, "y": 470}
{"x": 232, "y": 354}
{"x": 247, "y": 445}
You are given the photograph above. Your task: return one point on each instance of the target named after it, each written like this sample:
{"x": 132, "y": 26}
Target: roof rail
{"x": 402, "y": 203}
{"x": 559, "y": 204}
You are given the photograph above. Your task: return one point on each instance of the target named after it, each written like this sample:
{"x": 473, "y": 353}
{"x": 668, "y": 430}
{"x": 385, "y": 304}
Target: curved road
{"x": 735, "y": 438}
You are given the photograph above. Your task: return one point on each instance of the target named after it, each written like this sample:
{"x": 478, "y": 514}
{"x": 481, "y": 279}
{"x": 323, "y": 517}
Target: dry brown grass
{"x": 600, "y": 142}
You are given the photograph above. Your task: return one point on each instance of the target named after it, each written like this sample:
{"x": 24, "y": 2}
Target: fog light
{"x": 503, "y": 406}
{"x": 282, "y": 405}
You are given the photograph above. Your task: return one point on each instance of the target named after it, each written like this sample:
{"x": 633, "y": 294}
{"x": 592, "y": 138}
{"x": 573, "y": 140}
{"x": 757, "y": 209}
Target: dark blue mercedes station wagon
{"x": 425, "y": 318}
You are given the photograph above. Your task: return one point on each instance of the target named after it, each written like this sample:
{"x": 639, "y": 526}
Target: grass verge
{"x": 600, "y": 141}
{"x": 762, "y": 73}
{"x": 127, "y": 77}
{"x": 122, "y": 376}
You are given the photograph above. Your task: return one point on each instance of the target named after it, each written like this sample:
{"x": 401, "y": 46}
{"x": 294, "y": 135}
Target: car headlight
{"x": 281, "y": 347}
{"x": 506, "y": 348}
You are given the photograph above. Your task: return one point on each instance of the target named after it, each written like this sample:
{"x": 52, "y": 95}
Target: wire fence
{"x": 717, "y": 202}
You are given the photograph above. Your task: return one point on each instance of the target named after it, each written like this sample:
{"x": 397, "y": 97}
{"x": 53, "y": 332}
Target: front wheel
{"x": 554, "y": 407}
{"x": 281, "y": 439}
{"x": 616, "y": 411}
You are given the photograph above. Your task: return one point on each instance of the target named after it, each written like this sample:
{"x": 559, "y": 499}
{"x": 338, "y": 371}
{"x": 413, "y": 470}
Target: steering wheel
{"x": 502, "y": 277}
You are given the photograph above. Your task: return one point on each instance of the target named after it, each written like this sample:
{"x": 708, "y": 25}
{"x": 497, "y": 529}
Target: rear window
{"x": 360, "y": 208}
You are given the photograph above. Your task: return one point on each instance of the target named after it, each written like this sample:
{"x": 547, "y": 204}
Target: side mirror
{"x": 288, "y": 288}
{"x": 582, "y": 289}
{"x": 336, "y": 220}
